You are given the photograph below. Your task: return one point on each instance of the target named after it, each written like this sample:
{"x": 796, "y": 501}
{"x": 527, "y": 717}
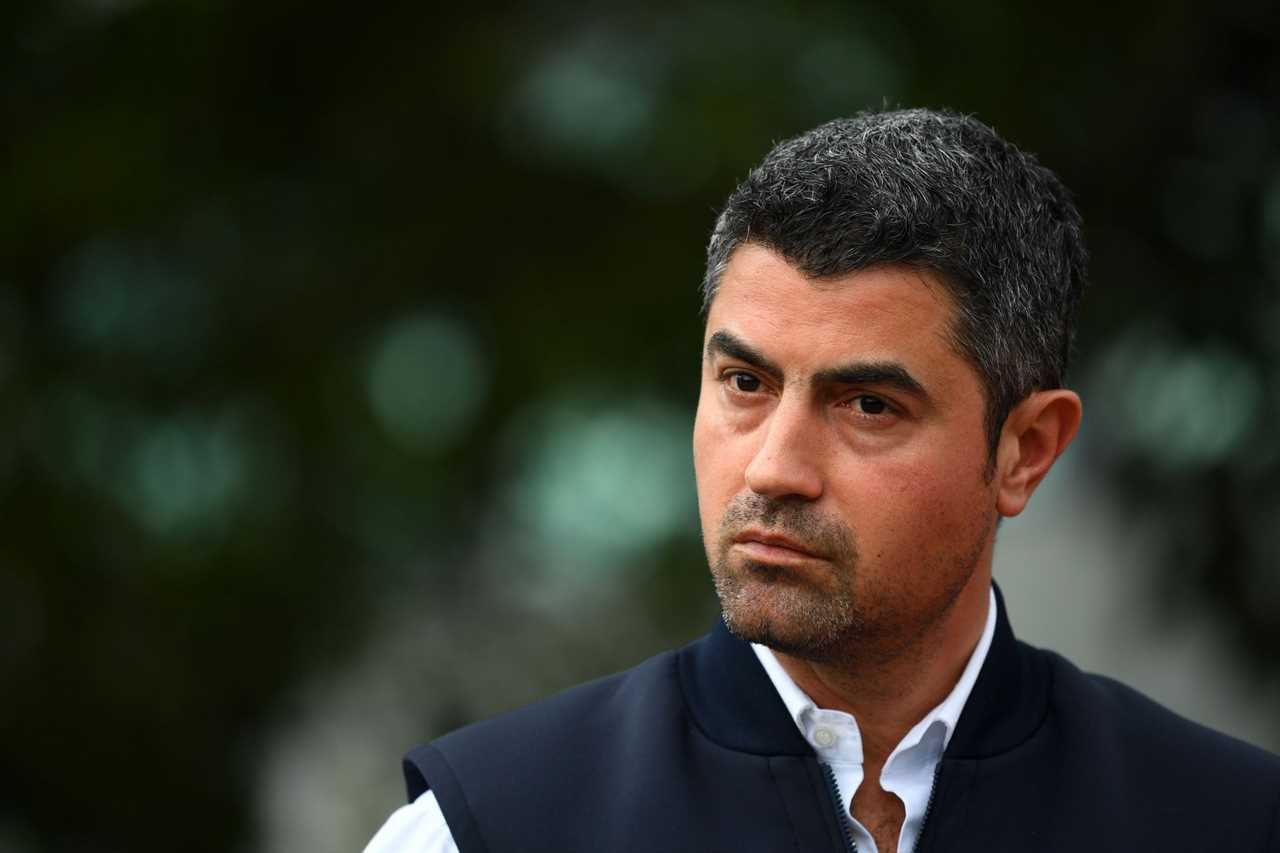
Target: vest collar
{"x": 732, "y": 700}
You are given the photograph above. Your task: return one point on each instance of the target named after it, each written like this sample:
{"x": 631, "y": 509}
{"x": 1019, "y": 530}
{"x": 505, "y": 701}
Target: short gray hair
{"x": 942, "y": 192}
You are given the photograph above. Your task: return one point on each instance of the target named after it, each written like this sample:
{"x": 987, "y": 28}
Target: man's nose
{"x": 786, "y": 463}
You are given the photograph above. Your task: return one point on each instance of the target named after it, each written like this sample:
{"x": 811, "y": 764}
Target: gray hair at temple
{"x": 943, "y": 193}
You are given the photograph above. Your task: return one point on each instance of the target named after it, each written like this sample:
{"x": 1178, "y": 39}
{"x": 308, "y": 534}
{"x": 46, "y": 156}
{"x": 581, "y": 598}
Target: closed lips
{"x": 773, "y": 540}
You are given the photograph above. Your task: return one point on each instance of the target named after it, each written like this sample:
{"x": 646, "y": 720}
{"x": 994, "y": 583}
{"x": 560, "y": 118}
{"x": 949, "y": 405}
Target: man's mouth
{"x": 768, "y": 546}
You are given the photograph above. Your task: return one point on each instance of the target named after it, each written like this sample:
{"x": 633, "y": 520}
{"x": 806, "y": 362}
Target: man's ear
{"x": 1036, "y": 432}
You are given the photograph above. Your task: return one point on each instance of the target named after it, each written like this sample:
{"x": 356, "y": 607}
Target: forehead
{"x": 887, "y": 313}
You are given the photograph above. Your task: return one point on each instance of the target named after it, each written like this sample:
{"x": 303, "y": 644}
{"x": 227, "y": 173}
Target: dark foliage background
{"x": 285, "y": 290}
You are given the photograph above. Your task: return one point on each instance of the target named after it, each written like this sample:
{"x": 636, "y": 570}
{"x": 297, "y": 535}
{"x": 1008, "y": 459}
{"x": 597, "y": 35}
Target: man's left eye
{"x": 871, "y": 405}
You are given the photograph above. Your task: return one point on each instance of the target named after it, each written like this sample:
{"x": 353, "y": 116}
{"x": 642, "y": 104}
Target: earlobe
{"x": 1035, "y": 434}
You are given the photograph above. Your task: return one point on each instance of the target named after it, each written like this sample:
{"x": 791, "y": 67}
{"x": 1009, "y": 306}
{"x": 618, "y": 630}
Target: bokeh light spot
{"x": 426, "y": 381}
{"x": 603, "y": 481}
{"x": 185, "y": 475}
{"x": 117, "y": 298}
{"x": 586, "y": 99}
{"x": 1178, "y": 406}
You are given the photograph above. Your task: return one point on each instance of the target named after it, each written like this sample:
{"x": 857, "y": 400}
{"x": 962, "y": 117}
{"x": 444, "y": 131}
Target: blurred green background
{"x": 348, "y": 357}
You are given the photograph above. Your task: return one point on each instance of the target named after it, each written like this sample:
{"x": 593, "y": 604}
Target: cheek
{"x": 907, "y": 508}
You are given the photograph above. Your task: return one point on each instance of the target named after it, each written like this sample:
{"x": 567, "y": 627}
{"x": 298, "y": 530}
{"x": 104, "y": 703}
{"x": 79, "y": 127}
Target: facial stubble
{"x": 810, "y": 612}
{"x": 817, "y": 612}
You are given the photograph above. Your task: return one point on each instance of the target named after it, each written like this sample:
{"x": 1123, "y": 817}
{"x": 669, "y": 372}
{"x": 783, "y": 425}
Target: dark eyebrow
{"x": 727, "y": 343}
{"x": 887, "y": 373}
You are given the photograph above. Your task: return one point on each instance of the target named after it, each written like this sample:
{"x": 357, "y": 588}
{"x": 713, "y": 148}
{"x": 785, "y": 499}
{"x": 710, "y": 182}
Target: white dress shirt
{"x": 908, "y": 772}
{"x": 416, "y": 828}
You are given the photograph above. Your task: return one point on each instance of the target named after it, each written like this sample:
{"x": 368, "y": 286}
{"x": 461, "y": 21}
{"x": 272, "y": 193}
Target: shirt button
{"x": 825, "y": 738}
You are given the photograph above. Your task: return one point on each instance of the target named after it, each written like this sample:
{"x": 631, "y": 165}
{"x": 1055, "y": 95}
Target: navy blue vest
{"x": 694, "y": 752}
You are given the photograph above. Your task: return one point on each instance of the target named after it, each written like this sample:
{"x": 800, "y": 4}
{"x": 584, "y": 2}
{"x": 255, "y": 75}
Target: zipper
{"x": 846, "y": 823}
{"x": 928, "y": 807}
{"x": 842, "y": 811}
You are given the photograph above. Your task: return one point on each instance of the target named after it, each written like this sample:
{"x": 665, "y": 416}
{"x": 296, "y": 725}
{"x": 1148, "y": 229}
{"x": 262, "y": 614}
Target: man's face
{"x": 841, "y": 456}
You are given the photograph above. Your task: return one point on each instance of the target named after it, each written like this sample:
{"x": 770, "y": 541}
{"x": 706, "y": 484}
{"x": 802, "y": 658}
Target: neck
{"x": 889, "y": 693}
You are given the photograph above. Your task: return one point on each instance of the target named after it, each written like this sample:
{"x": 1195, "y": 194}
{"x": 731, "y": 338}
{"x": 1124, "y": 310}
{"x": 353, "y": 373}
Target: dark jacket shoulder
{"x": 1150, "y": 738}
{"x": 693, "y": 750}
{"x": 559, "y": 727}
{"x": 1130, "y": 768}
{"x": 621, "y": 764}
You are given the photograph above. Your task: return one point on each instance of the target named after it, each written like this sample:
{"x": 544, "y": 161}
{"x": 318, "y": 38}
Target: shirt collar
{"x": 947, "y": 712}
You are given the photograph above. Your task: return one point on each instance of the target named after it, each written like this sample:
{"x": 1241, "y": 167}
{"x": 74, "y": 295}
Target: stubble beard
{"x": 820, "y": 615}
{"x": 781, "y": 607}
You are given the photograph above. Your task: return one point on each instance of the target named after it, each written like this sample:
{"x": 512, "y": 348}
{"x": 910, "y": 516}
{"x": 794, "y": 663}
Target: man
{"x": 890, "y": 302}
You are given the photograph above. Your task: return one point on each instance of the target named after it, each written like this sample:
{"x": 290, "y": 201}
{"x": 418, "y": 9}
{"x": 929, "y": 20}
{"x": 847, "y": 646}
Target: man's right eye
{"x": 745, "y": 382}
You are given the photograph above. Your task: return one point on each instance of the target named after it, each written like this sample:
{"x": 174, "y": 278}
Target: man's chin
{"x": 763, "y": 631}
{"x": 811, "y": 633}
{"x": 792, "y": 612}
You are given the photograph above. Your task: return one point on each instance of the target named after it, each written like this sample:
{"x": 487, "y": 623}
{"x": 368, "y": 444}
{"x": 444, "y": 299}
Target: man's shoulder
{"x": 580, "y": 709}
{"x": 527, "y": 767}
{"x": 576, "y": 732}
{"x": 1132, "y": 727}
